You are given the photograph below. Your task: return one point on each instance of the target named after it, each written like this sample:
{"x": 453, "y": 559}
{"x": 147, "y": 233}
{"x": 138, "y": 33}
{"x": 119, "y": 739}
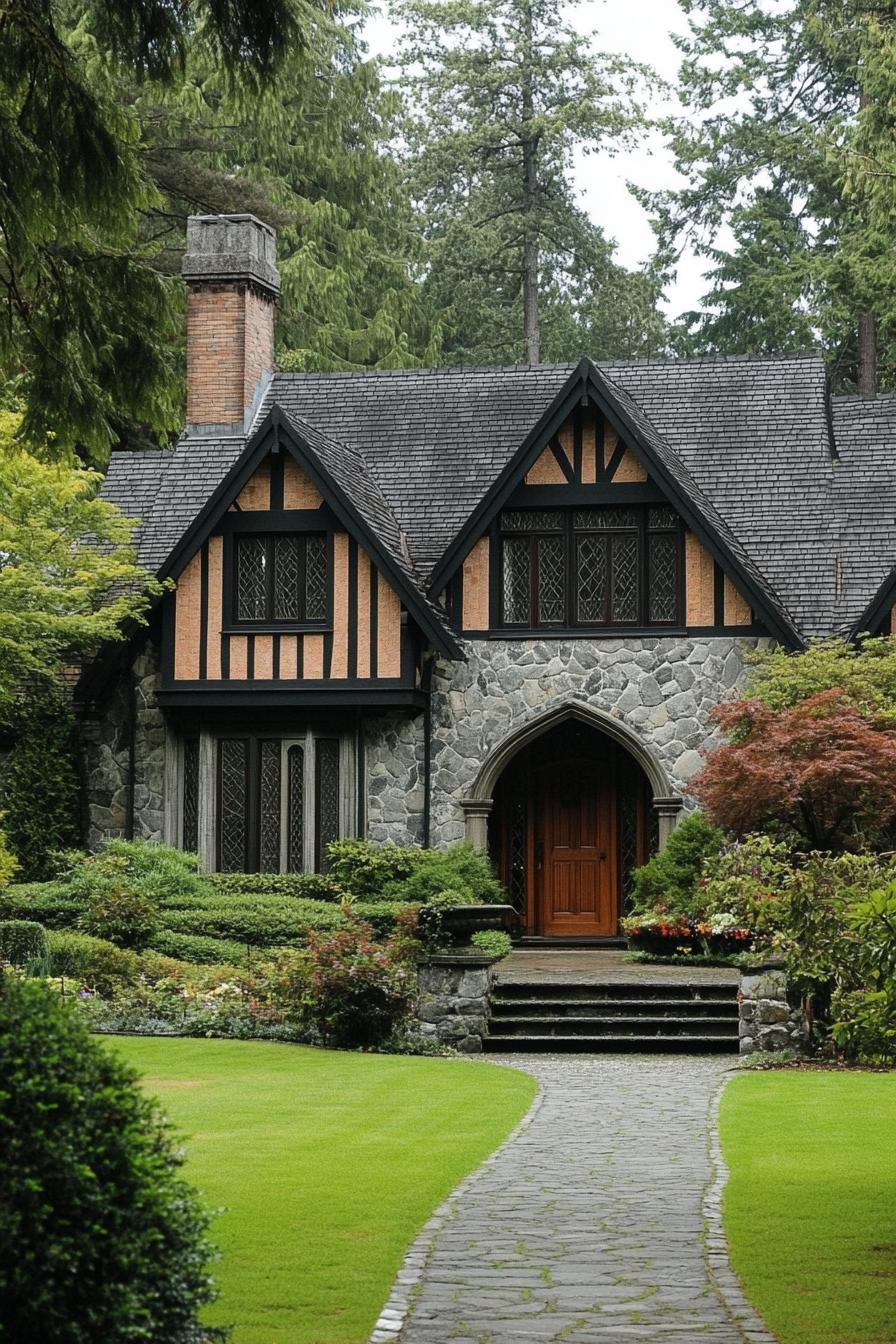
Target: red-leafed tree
{"x": 818, "y": 768}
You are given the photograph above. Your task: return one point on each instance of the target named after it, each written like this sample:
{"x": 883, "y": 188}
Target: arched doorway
{"x": 572, "y": 817}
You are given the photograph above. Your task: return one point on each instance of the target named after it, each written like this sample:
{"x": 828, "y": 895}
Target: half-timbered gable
{"x": 497, "y": 604}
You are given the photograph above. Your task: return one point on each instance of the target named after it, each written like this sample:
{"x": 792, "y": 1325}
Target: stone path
{"x": 596, "y": 1223}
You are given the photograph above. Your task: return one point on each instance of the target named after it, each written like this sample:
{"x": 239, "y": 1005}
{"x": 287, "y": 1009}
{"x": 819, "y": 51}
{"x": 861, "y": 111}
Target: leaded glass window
{"x": 281, "y": 578}
{"x": 295, "y": 811}
{"x": 190, "y": 827}
{"x": 589, "y": 567}
{"x": 233, "y": 805}
{"x": 269, "y": 808}
{"x": 327, "y": 797}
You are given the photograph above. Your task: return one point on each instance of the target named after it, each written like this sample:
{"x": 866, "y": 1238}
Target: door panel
{"x": 576, "y": 849}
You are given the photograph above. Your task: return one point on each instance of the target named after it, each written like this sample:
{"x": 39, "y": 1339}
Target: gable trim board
{"x": 276, "y": 433}
{"x": 879, "y": 610}
{"x": 587, "y": 384}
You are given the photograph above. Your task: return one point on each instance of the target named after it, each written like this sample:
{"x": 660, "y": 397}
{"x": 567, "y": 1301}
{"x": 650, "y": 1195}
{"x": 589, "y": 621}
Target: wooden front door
{"x": 575, "y": 850}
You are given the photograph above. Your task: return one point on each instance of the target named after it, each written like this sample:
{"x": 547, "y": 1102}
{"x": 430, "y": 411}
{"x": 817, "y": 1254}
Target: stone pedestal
{"x": 770, "y": 1018}
{"x": 453, "y": 999}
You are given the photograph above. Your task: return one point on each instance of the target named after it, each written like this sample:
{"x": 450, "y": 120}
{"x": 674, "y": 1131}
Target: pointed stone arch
{"x": 478, "y": 804}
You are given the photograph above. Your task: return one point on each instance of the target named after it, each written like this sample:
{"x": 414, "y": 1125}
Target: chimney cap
{"x": 231, "y": 248}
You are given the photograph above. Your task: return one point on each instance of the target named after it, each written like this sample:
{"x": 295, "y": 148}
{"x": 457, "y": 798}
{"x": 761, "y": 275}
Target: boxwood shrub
{"x": 48, "y": 903}
{"x": 263, "y": 921}
{"x": 308, "y": 886}
{"x": 22, "y": 941}
{"x": 196, "y": 948}
{"x": 91, "y": 961}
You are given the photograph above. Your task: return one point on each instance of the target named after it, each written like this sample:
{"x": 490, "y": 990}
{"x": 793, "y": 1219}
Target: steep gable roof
{"x": 747, "y": 440}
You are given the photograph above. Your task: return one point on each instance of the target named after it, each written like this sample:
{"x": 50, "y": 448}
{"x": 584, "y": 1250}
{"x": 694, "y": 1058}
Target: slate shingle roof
{"x": 749, "y": 440}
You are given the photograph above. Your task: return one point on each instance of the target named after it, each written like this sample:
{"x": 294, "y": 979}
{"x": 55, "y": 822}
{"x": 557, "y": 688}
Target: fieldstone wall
{"x": 453, "y": 998}
{"x": 107, "y": 754}
{"x": 663, "y": 689}
{"x": 770, "y": 1019}
{"x": 395, "y": 779}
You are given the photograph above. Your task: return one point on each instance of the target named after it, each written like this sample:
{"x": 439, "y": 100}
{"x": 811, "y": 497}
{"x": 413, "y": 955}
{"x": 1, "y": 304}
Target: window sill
{"x": 578, "y": 632}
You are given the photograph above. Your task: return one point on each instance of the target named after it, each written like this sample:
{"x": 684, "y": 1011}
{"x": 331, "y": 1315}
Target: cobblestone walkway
{"x": 596, "y": 1223}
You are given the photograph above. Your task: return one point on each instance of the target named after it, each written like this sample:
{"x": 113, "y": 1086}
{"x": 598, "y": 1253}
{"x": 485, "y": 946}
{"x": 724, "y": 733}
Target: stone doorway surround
{"x": 478, "y": 804}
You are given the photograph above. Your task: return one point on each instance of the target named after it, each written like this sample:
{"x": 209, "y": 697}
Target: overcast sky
{"x": 640, "y": 28}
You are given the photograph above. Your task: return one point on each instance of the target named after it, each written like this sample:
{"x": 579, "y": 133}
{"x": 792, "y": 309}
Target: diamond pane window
{"x": 286, "y": 578}
{"x": 327, "y": 797}
{"x": 281, "y": 578}
{"x": 269, "y": 809}
{"x": 516, "y": 887}
{"x": 190, "y": 827}
{"x": 551, "y": 580}
{"x": 515, "y": 582}
{"x": 315, "y": 578}
{"x": 662, "y": 568}
{"x": 251, "y": 579}
{"x": 295, "y": 814}
{"x": 533, "y": 520}
{"x": 624, "y": 587}
{"x": 591, "y": 570}
{"x": 233, "y": 759}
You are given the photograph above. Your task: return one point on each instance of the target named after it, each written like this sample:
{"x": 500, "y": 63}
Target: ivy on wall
{"x": 40, "y": 786}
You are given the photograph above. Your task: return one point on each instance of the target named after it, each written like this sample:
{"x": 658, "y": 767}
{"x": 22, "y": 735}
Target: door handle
{"x": 603, "y": 857}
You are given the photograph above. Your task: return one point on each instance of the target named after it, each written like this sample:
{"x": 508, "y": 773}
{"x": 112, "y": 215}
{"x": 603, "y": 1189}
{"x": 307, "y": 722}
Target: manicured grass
{"x": 326, "y": 1164}
{"x": 810, "y": 1208}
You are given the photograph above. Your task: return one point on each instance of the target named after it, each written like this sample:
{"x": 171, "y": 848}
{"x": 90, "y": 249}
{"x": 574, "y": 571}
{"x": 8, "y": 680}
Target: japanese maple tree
{"x": 819, "y": 768}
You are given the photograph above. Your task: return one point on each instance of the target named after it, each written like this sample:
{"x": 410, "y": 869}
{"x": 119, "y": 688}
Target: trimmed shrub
{"x": 492, "y": 942}
{"x": 371, "y": 872}
{"x": 384, "y": 917}
{"x": 22, "y": 941}
{"x": 461, "y": 869}
{"x": 262, "y": 921}
{"x": 128, "y": 918}
{"x": 103, "y": 1239}
{"x": 194, "y": 948}
{"x": 308, "y": 886}
{"x": 157, "y": 872}
{"x": 49, "y": 903}
{"x": 671, "y": 880}
{"x": 93, "y": 962}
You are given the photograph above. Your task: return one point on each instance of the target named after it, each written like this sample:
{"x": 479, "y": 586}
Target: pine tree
{"x": 87, "y": 321}
{"x": 776, "y": 97}
{"x": 501, "y": 92}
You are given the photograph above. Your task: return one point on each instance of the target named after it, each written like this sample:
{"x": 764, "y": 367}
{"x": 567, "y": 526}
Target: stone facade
{"x": 663, "y": 690}
{"x": 453, "y": 1002}
{"x": 107, "y": 757}
{"x": 770, "y": 1018}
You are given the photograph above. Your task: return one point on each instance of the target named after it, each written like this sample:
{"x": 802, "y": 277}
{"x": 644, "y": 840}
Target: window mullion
{"x": 301, "y": 577}
{"x": 643, "y": 570}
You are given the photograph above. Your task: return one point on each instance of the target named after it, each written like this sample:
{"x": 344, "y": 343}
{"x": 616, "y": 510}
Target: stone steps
{"x": 681, "y": 1016}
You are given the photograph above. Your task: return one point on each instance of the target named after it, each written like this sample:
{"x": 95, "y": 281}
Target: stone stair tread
{"x": 658, "y": 1005}
{"x": 616, "y": 1018}
{"x": 598, "y": 1044}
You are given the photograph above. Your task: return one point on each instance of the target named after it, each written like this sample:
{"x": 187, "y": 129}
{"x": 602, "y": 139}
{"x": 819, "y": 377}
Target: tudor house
{"x": 497, "y": 604}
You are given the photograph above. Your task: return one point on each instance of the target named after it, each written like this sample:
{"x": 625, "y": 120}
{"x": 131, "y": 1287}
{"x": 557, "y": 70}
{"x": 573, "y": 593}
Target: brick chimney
{"x": 232, "y": 286}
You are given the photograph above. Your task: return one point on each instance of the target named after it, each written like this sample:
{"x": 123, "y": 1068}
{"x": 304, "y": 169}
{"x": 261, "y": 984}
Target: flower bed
{"x": 665, "y": 934}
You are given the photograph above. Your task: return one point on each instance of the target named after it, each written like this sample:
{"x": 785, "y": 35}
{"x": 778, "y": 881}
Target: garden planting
{"x": 141, "y": 941}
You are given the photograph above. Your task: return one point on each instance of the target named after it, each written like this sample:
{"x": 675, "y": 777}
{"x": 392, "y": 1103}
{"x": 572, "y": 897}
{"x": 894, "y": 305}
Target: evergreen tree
{"x": 776, "y": 96}
{"x": 501, "y": 93}
{"x": 87, "y": 322}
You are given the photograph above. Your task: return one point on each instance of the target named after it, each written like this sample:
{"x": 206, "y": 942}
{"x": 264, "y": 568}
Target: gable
{"x": 592, "y": 421}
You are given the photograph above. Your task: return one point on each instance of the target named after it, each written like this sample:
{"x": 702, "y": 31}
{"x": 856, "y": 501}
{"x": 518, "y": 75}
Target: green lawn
{"x": 326, "y": 1164}
{"x": 810, "y": 1208}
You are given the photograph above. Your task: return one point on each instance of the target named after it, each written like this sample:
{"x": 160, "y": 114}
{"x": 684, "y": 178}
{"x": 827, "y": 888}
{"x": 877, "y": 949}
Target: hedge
{"x": 308, "y": 886}
{"x": 91, "y": 961}
{"x": 49, "y": 903}
{"x": 197, "y": 949}
{"x": 261, "y": 921}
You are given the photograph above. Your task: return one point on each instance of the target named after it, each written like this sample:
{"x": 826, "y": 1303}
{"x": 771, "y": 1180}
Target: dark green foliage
{"x": 311, "y": 886}
{"x": 382, "y": 916}
{"x": 197, "y": 949}
{"x": 263, "y": 921}
{"x": 670, "y": 880}
{"x": 22, "y": 941}
{"x": 370, "y": 871}
{"x": 102, "y": 1239}
{"x": 461, "y": 869}
{"x": 158, "y": 872}
{"x": 358, "y": 991}
{"x": 40, "y": 790}
{"x": 492, "y": 942}
{"x": 93, "y": 962}
{"x": 50, "y": 903}
{"x": 118, "y": 913}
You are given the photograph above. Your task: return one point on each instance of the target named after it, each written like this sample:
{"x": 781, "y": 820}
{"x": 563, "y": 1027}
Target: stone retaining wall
{"x": 770, "y": 1018}
{"x": 453, "y": 1002}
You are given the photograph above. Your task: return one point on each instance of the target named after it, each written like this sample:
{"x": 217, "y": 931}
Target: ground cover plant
{"x": 810, "y": 1204}
{"x": 326, "y": 1165}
